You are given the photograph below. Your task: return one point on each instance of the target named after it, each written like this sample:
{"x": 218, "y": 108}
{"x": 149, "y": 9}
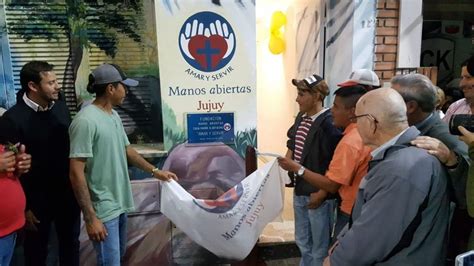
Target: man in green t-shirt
{"x": 99, "y": 155}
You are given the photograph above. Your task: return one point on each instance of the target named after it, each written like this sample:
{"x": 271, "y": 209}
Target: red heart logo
{"x": 208, "y": 51}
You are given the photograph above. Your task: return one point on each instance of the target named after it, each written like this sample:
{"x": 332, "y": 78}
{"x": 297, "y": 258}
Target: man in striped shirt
{"x": 311, "y": 143}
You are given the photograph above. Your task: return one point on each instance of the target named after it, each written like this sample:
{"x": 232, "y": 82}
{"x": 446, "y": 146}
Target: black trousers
{"x": 461, "y": 226}
{"x": 66, "y": 217}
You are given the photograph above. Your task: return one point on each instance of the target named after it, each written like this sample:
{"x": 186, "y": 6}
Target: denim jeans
{"x": 312, "y": 230}
{"x": 112, "y": 249}
{"x": 7, "y": 246}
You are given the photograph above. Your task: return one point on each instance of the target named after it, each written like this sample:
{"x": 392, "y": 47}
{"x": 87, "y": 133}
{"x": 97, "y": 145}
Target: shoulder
{"x": 440, "y": 131}
{"x": 61, "y": 106}
{"x": 411, "y": 159}
{"x": 87, "y": 115}
{"x": 453, "y": 108}
{"x": 19, "y": 107}
{"x": 412, "y": 165}
{"x": 325, "y": 120}
{"x": 18, "y": 113}
{"x": 352, "y": 140}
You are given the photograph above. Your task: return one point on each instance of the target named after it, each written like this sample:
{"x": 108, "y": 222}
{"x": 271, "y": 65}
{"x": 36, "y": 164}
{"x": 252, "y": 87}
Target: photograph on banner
{"x": 213, "y": 71}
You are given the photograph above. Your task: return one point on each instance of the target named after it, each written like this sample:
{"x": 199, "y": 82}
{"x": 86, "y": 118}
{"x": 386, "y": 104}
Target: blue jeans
{"x": 7, "y": 246}
{"x": 312, "y": 230}
{"x": 112, "y": 249}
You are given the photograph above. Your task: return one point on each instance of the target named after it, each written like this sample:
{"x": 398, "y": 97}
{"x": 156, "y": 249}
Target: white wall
{"x": 276, "y": 106}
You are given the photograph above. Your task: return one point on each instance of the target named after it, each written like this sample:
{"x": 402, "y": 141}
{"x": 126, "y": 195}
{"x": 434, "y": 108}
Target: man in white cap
{"x": 100, "y": 153}
{"x": 364, "y": 77}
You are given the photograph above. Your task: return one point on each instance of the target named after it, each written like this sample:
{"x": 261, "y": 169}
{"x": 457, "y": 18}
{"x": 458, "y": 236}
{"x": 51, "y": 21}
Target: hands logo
{"x": 224, "y": 203}
{"x": 207, "y": 41}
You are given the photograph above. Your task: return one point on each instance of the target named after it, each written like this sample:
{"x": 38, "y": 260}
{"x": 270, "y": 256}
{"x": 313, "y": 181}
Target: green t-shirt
{"x": 100, "y": 138}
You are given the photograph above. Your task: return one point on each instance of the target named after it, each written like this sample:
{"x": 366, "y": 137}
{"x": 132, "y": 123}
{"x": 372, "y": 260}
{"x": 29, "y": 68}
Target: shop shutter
{"x": 135, "y": 111}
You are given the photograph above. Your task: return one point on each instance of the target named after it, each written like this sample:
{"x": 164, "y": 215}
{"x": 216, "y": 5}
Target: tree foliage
{"x": 90, "y": 22}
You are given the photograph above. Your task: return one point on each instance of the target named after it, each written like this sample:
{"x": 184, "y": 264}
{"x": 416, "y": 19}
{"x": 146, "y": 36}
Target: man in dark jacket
{"x": 311, "y": 143}
{"x": 41, "y": 122}
{"x": 419, "y": 95}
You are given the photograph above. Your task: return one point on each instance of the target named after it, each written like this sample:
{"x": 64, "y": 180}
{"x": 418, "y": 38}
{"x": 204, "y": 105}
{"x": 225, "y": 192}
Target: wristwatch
{"x": 300, "y": 172}
{"x": 156, "y": 169}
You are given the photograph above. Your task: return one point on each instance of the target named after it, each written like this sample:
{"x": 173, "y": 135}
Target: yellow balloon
{"x": 276, "y": 45}
{"x": 278, "y": 20}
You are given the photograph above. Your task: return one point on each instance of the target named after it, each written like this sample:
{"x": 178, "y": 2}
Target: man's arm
{"x": 95, "y": 228}
{"x": 452, "y": 153}
{"x": 313, "y": 178}
{"x": 383, "y": 206}
{"x": 437, "y": 148}
{"x": 138, "y": 161}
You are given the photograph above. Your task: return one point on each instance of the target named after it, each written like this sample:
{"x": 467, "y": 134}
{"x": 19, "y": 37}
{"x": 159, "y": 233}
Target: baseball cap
{"x": 362, "y": 77}
{"x": 109, "y": 73}
{"x": 309, "y": 83}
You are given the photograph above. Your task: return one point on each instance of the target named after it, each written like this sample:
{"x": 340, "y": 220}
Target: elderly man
{"x": 401, "y": 213}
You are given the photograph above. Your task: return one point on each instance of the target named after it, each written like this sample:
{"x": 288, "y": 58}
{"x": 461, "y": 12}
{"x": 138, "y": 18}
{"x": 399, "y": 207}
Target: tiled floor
{"x": 281, "y": 231}
{"x": 277, "y": 240}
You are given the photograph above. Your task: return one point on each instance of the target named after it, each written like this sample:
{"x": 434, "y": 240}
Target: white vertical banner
{"x": 230, "y": 225}
{"x": 349, "y": 22}
{"x": 363, "y": 43}
{"x": 206, "y": 54}
{"x": 304, "y": 37}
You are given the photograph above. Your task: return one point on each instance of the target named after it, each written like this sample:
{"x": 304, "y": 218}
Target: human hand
{"x": 7, "y": 161}
{"x": 327, "y": 262}
{"x": 31, "y": 221}
{"x": 23, "y": 160}
{"x": 436, "y": 148}
{"x": 331, "y": 249}
{"x": 221, "y": 29}
{"x": 288, "y": 164}
{"x": 96, "y": 230}
{"x": 190, "y": 31}
{"x": 467, "y": 136}
{"x": 164, "y": 175}
{"x": 316, "y": 199}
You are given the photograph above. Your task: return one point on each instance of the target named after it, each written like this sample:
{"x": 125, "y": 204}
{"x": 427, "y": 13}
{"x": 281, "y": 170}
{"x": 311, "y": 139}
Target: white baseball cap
{"x": 361, "y": 77}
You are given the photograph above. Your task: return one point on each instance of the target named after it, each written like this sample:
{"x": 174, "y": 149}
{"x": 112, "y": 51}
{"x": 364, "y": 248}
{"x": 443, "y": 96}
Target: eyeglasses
{"x": 353, "y": 119}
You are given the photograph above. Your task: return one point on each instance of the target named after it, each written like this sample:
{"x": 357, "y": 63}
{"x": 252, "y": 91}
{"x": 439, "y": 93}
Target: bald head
{"x": 386, "y": 105}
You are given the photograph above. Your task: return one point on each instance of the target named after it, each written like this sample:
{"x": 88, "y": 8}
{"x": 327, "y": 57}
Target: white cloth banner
{"x": 230, "y": 225}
